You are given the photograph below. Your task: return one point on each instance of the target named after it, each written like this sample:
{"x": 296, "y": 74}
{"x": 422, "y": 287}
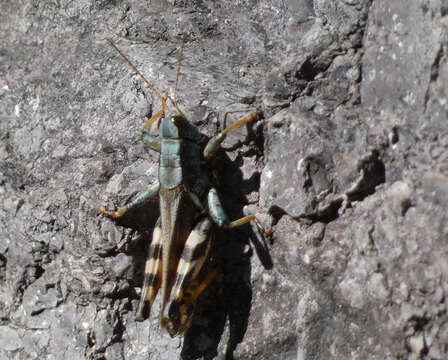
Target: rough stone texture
{"x": 349, "y": 166}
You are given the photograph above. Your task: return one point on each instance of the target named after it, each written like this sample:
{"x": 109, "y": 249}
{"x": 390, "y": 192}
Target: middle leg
{"x": 138, "y": 199}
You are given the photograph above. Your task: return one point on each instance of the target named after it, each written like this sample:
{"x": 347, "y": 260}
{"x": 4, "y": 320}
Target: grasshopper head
{"x": 171, "y": 124}
{"x": 180, "y": 314}
{"x": 175, "y": 125}
{"x": 177, "y": 117}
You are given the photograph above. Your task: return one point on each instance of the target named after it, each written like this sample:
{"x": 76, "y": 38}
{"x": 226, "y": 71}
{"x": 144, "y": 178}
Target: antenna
{"x": 179, "y": 59}
{"x": 162, "y": 99}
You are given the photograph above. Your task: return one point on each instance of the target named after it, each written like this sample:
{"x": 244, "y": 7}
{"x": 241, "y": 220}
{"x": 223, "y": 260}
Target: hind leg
{"x": 178, "y": 312}
{"x": 153, "y": 275}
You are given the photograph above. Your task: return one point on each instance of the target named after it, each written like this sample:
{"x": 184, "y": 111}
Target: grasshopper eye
{"x": 178, "y": 118}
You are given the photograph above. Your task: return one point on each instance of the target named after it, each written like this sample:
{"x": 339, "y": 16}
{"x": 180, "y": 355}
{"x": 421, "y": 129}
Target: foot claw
{"x": 109, "y": 214}
{"x": 102, "y": 209}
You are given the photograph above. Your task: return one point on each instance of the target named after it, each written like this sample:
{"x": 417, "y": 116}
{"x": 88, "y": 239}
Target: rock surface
{"x": 349, "y": 166}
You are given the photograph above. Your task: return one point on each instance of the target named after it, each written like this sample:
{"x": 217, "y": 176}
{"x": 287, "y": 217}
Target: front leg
{"x": 213, "y": 145}
{"x": 142, "y": 197}
{"x": 151, "y": 141}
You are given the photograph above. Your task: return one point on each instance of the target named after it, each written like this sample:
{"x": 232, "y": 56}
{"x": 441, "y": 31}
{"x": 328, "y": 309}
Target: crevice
{"x": 309, "y": 70}
{"x": 433, "y": 75}
{"x": 328, "y": 207}
{"x": 418, "y": 323}
{"x": 119, "y": 330}
{"x": 372, "y": 173}
{"x": 38, "y": 272}
{"x": 277, "y": 213}
{"x": 3, "y": 264}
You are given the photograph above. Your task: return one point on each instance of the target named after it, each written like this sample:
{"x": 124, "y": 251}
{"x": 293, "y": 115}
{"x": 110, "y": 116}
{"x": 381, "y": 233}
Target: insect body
{"x": 189, "y": 208}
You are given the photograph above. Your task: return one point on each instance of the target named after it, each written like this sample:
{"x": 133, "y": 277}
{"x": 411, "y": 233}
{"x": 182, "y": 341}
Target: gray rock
{"x": 348, "y": 166}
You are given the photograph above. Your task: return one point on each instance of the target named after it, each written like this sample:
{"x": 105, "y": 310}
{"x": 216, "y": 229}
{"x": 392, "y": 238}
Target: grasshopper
{"x": 189, "y": 208}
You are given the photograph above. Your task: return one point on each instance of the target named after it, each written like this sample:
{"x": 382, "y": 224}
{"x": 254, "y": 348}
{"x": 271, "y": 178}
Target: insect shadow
{"x": 230, "y": 298}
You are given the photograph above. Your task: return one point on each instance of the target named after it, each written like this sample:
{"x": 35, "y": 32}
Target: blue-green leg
{"x": 138, "y": 199}
{"x": 219, "y": 216}
{"x": 151, "y": 141}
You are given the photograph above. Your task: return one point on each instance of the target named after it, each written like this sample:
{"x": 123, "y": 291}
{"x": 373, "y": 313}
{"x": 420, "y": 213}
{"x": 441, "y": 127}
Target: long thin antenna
{"x": 162, "y": 100}
{"x": 179, "y": 59}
